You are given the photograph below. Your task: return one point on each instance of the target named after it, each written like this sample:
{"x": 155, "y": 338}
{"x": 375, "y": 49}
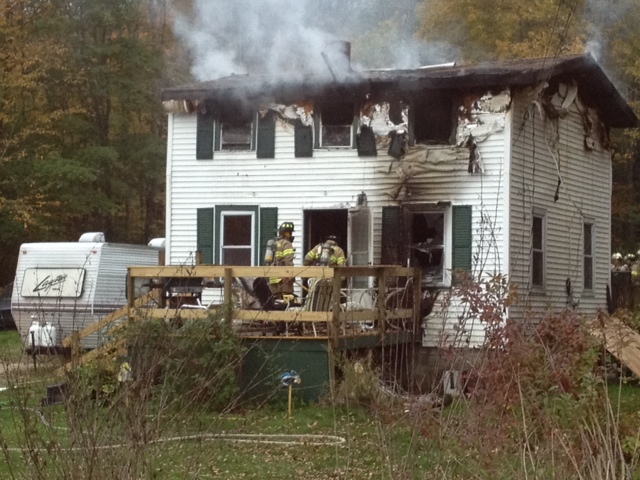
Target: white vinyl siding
{"x": 585, "y": 193}
{"x": 335, "y": 178}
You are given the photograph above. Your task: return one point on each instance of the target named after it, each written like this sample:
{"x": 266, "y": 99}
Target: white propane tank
{"x": 35, "y": 335}
{"x": 49, "y": 335}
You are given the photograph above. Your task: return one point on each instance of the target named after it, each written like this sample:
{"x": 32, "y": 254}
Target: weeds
{"x": 535, "y": 405}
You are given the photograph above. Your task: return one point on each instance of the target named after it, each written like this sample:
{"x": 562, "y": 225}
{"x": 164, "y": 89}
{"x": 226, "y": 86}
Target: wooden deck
{"x": 177, "y": 291}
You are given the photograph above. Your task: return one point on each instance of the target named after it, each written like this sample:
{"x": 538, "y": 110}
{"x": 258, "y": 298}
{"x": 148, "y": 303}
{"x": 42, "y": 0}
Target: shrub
{"x": 194, "y": 365}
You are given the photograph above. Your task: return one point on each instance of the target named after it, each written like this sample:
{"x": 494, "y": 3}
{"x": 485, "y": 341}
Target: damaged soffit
{"x": 595, "y": 87}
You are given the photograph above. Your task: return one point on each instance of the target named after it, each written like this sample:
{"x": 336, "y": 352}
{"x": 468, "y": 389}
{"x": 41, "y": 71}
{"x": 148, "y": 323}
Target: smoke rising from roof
{"x": 245, "y": 36}
{"x": 270, "y": 37}
{"x": 602, "y": 15}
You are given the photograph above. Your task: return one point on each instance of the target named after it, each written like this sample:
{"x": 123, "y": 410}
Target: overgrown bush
{"x": 195, "y": 365}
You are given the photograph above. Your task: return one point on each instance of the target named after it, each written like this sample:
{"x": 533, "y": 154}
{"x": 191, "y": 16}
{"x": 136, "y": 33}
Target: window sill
{"x": 538, "y": 292}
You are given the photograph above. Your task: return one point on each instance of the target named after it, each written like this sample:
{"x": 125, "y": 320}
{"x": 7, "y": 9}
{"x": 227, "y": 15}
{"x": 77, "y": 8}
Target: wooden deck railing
{"x": 384, "y": 278}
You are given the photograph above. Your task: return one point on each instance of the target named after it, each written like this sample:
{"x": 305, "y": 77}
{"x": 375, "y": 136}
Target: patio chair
{"x": 318, "y": 299}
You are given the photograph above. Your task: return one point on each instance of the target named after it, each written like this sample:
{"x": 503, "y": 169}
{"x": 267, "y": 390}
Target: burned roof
{"x": 595, "y": 87}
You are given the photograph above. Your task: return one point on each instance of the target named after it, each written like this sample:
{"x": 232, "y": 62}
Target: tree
{"x": 498, "y": 29}
{"x": 81, "y": 124}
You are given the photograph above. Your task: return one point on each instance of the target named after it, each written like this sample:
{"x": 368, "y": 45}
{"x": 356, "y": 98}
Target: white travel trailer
{"x": 61, "y": 287}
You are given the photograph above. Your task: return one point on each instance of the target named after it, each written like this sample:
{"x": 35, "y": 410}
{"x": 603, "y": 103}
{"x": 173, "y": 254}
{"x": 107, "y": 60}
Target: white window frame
{"x": 329, "y": 107}
{"x": 221, "y": 247}
{"x": 252, "y": 136}
{"x": 445, "y": 279}
{"x": 542, "y": 250}
{"x": 588, "y": 254}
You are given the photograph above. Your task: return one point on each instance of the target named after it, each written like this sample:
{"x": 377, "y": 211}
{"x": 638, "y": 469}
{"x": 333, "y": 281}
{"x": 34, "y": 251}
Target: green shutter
{"x": 316, "y": 127}
{"x": 204, "y": 134}
{"x": 461, "y": 241}
{"x": 268, "y": 227}
{"x": 205, "y": 234}
{"x": 392, "y": 236}
{"x": 303, "y": 140}
{"x": 217, "y": 134}
{"x": 266, "y": 136}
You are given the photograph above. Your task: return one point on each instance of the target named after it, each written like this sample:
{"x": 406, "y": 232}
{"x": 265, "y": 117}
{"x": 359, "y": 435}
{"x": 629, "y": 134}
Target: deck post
{"x": 335, "y": 309}
{"x": 381, "y": 314}
{"x": 131, "y": 290}
{"x": 228, "y": 298}
{"x": 417, "y": 300}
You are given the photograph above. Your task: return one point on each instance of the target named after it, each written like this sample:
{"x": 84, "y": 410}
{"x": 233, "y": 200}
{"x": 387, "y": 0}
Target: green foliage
{"x": 79, "y": 82}
{"x": 484, "y": 30}
{"x": 193, "y": 366}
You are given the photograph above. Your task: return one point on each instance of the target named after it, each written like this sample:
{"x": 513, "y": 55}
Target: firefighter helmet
{"x": 616, "y": 256}
{"x": 286, "y": 227}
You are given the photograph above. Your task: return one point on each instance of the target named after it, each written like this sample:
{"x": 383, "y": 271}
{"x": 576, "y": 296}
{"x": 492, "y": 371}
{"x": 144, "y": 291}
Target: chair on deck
{"x": 318, "y": 299}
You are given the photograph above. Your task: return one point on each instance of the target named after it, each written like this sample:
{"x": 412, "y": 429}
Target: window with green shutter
{"x": 233, "y": 130}
{"x": 236, "y": 235}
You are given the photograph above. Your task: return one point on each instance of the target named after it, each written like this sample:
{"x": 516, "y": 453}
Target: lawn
{"x": 121, "y": 439}
{"x": 128, "y": 430}
{"x": 11, "y": 349}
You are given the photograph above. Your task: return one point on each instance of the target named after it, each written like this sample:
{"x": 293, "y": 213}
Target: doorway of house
{"x": 318, "y": 224}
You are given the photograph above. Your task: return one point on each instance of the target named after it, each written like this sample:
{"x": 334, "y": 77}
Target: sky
{"x": 271, "y": 36}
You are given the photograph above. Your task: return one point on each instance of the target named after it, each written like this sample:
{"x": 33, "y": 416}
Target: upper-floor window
{"x": 336, "y": 124}
{"x": 236, "y": 133}
{"x": 432, "y": 119}
{"x": 588, "y": 255}
{"x": 538, "y": 247}
{"x": 230, "y": 130}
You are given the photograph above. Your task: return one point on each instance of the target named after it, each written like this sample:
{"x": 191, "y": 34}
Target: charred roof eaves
{"x": 595, "y": 86}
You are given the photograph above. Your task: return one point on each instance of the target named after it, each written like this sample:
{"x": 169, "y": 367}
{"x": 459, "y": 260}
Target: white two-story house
{"x": 500, "y": 168}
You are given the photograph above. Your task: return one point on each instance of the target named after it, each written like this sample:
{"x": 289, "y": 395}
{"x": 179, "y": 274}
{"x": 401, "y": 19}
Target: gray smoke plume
{"x": 602, "y": 14}
{"x": 269, "y": 37}
{"x": 249, "y": 36}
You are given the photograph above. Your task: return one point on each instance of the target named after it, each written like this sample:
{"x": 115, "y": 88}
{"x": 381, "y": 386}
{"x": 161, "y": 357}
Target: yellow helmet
{"x": 286, "y": 227}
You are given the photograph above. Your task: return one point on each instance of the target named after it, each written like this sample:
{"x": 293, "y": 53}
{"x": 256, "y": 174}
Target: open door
{"x": 359, "y": 241}
{"x": 319, "y": 224}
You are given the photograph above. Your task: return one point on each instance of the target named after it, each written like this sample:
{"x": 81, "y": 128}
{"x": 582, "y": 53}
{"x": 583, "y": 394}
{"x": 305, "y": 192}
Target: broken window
{"x": 433, "y": 237}
{"x": 433, "y": 119}
{"x": 336, "y": 123}
{"x": 236, "y": 133}
{"x": 227, "y": 128}
{"x": 427, "y": 244}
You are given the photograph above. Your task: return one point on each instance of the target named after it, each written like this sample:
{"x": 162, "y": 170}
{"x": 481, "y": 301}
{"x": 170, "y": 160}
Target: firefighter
{"x": 280, "y": 253}
{"x": 326, "y": 254}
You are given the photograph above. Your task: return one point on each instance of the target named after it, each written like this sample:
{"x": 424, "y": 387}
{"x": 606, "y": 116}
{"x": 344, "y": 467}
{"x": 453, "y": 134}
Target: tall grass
{"x": 535, "y": 406}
